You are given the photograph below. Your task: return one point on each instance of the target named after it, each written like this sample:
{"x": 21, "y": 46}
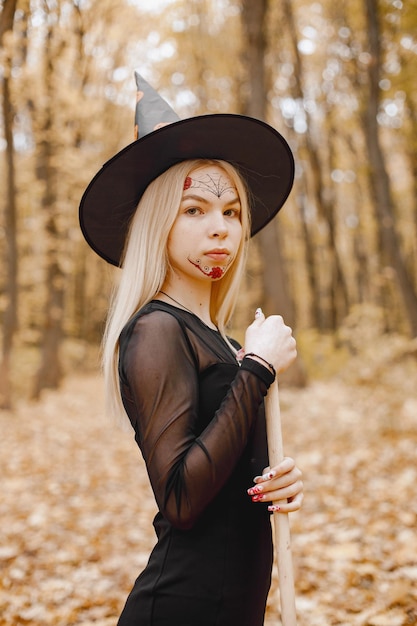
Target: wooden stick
{"x": 281, "y": 521}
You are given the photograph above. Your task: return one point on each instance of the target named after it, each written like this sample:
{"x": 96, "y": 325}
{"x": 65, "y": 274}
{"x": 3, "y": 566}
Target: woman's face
{"x": 207, "y": 231}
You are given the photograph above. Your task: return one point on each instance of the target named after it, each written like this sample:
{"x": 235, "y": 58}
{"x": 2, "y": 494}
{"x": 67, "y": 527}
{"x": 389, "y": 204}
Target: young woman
{"x": 193, "y": 396}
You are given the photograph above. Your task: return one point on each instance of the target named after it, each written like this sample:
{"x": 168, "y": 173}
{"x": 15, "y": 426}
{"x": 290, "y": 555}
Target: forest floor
{"x": 76, "y": 509}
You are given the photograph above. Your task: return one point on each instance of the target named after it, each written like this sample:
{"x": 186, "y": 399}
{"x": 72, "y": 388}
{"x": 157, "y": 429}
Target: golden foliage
{"x": 76, "y": 507}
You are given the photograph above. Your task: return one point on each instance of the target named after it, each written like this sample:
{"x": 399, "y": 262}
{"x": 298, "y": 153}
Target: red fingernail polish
{"x": 274, "y": 507}
{"x": 254, "y": 490}
{"x": 257, "y": 498}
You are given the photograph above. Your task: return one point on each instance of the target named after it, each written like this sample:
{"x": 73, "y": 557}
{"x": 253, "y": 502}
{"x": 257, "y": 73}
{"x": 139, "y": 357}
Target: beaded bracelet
{"x": 271, "y": 367}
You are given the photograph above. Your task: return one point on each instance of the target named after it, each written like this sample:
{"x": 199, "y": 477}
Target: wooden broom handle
{"x": 280, "y": 520}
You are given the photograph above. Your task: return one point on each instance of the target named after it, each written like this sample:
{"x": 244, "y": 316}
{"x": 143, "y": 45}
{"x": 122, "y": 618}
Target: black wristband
{"x": 259, "y": 370}
{"x": 271, "y": 367}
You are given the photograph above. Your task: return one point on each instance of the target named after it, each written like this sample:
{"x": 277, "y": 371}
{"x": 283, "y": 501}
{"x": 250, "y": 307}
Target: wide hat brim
{"x": 260, "y": 153}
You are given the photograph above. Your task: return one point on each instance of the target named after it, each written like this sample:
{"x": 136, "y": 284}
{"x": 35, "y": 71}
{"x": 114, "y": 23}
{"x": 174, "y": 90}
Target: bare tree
{"x": 323, "y": 197}
{"x": 390, "y": 247}
{"x": 49, "y": 373}
{"x": 10, "y": 211}
{"x": 276, "y": 293}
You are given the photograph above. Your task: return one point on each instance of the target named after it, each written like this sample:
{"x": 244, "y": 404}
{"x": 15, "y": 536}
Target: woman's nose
{"x": 218, "y": 226}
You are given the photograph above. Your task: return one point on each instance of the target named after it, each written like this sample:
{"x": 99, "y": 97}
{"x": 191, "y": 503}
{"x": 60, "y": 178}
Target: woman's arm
{"x": 186, "y": 469}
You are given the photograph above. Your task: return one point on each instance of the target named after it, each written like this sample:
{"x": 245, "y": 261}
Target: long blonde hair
{"x": 145, "y": 265}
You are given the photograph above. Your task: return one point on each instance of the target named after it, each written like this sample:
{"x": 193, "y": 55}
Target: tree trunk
{"x": 11, "y": 256}
{"x": 50, "y": 371}
{"x": 327, "y": 317}
{"x": 412, "y": 160}
{"x": 390, "y": 246}
{"x": 310, "y": 263}
{"x": 276, "y": 294}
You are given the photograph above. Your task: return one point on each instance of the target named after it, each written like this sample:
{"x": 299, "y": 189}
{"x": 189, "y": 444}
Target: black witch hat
{"x": 259, "y": 152}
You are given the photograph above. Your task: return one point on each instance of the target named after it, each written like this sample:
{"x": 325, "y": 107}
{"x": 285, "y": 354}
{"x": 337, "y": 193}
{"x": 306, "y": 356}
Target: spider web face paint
{"x": 216, "y": 184}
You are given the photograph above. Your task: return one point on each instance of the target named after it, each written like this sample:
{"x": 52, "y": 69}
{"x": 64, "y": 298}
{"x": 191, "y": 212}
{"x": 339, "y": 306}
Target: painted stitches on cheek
{"x": 215, "y": 184}
{"x": 211, "y": 272}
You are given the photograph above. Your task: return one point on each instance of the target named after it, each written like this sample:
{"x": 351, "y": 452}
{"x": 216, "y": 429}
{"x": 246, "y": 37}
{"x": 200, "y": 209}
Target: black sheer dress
{"x": 199, "y": 422}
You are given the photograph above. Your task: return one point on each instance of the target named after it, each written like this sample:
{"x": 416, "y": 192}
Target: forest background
{"x": 337, "y": 79}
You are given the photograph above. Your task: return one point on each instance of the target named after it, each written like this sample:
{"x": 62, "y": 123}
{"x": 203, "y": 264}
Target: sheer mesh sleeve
{"x": 160, "y": 388}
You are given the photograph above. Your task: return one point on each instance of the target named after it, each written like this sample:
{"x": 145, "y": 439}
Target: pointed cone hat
{"x": 258, "y": 151}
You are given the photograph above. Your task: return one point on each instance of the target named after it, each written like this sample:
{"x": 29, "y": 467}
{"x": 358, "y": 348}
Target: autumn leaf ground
{"x": 76, "y": 509}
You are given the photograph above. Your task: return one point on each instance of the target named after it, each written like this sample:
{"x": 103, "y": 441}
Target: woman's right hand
{"x": 271, "y": 339}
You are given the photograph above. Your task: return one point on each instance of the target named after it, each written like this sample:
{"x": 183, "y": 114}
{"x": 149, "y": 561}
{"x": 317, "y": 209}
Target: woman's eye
{"x": 232, "y": 213}
{"x": 192, "y": 210}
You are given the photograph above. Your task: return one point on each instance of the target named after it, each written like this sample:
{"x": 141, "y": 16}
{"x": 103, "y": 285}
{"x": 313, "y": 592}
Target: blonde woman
{"x": 193, "y": 396}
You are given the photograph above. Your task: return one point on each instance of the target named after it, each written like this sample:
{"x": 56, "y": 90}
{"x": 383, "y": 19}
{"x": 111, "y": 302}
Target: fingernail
{"x": 254, "y": 490}
{"x": 274, "y": 507}
{"x": 264, "y": 477}
{"x": 257, "y": 498}
{"x": 258, "y": 313}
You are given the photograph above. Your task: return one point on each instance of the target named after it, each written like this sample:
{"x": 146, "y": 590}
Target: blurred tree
{"x": 390, "y": 248}
{"x": 398, "y": 113}
{"x": 80, "y": 119}
{"x": 50, "y": 372}
{"x": 275, "y": 291}
{"x": 10, "y": 210}
{"x": 74, "y": 104}
{"x": 330, "y": 308}
{"x": 204, "y": 73}
{"x": 67, "y": 106}
{"x": 405, "y": 96}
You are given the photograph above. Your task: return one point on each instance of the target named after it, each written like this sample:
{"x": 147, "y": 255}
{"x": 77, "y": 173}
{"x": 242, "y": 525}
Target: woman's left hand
{"x": 281, "y": 486}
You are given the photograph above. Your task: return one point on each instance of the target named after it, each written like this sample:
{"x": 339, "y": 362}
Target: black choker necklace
{"x": 185, "y": 308}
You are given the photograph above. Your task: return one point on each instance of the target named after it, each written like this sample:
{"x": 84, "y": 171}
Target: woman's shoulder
{"x": 153, "y": 340}
{"x": 159, "y": 321}
{"x": 153, "y": 316}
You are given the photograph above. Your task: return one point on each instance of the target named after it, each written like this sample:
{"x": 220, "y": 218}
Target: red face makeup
{"x": 211, "y": 272}
{"x": 207, "y": 232}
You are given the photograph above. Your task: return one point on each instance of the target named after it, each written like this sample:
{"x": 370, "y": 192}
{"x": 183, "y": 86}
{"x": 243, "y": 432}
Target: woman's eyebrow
{"x": 192, "y": 196}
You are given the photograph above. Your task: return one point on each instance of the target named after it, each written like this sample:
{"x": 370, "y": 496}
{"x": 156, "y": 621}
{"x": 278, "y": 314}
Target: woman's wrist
{"x": 262, "y": 361}
{"x": 259, "y": 369}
